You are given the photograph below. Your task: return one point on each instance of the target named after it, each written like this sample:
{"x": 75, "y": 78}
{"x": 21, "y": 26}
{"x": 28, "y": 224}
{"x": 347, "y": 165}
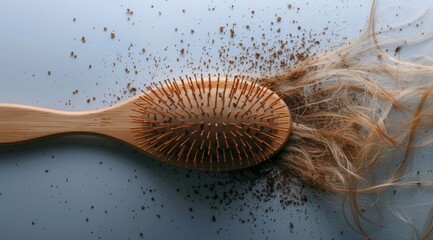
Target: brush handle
{"x": 19, "y": 123}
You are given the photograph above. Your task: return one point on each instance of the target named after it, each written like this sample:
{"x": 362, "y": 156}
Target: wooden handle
{"x": 20, "y": 123}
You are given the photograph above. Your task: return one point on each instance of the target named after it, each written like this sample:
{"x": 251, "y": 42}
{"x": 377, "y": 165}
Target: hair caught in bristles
{"x": 354, "y": 108}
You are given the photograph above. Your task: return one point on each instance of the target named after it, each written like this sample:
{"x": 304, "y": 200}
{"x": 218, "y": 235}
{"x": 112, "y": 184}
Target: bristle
{"x": 232, "y": 86}
{"x": 251, "y": 87}
{"x": 176, "y": 86}
{"x": 202, "y": 84}
{"x": 209, "y": 91}
{"x": 265, "y": 99}
{"x": 241, "y": 94}
{"x": 159, "y": 97}
{"x": 216, "y": 92}
{"x": 225, "y": 139}
{"x": 185, "y": 91}
{"x": 190, "y": 149}
{"x": 210, "y": 124}
{"x": 191, "y": 84}
{"x": 202, "y": 159}
{"x": 232, "y": 92}
{"x": 195, "y": 158}
{"x": 198, "y": 86}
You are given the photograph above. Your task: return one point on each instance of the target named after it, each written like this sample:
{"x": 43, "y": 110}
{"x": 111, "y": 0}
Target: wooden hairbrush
{"x": 207, "y": 124}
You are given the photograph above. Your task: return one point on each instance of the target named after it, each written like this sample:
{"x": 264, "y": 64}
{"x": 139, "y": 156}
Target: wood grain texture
{"x": 19, "y": 123}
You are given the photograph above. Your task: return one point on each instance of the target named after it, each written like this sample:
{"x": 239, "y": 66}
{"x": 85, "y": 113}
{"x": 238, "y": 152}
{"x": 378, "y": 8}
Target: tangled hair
{"x": 356, "y": 114}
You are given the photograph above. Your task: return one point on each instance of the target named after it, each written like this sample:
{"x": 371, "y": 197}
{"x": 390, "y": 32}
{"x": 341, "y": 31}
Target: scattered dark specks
{"x": 83, "y": 39}
{"x": 49, "y": 73}
{"x": 92, "y": 207}
{"x": 397, "y": 49}
{"x": 227, "y": 193}
{"x": 46, "y": 170}
{"x": 73, "y": 55}
{"x": 304, "y": 198}
{"x": 33, "y": 223}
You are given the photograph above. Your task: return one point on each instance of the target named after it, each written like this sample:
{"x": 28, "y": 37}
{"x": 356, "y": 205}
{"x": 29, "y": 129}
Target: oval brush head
{"x": 207, "y": 124}
{"x": 211, "y": 124}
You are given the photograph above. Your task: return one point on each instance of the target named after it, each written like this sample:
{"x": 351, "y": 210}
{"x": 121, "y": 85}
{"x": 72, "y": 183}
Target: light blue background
{"x": 38, "y": 36}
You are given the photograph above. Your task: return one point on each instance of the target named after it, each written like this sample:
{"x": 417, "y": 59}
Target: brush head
{"x": 211, "y": 124}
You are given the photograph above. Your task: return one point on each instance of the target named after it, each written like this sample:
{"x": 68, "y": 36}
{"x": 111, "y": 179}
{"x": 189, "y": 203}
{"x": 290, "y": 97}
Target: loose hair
{"x": 357, "y": 112}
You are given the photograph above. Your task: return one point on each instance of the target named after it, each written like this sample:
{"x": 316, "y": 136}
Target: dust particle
{"x": 232, "y": 33}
